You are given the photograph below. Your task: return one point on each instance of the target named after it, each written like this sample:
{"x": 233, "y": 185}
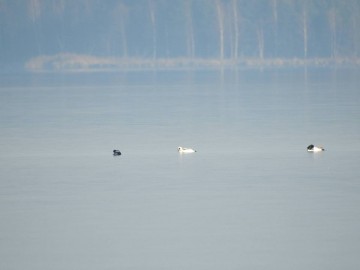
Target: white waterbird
{"x": 185, "y": 150}
{"x": 313, "y": 148}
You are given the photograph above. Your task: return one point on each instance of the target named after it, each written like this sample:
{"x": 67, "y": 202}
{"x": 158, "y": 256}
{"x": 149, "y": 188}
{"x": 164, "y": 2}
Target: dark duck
{"x": 116, "y": 153}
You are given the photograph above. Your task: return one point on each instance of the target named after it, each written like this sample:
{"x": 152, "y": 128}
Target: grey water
{"x": 251, "y": 197}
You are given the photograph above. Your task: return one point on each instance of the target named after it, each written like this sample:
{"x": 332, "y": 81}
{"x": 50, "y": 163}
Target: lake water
{"x": 251, "y": 197}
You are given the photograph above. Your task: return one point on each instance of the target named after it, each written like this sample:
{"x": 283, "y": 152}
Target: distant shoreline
{"x": 67, "y": 62}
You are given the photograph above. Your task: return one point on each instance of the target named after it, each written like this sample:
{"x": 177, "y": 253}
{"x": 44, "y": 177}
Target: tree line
{"x": 153, "y": 29}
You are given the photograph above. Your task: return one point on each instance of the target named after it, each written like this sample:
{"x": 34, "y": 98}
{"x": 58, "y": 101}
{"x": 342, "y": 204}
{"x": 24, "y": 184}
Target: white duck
{"x": 313, "y": 148}
{"x": 185, "y": 150}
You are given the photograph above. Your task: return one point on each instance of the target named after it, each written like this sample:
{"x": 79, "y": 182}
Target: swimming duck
{"x": 117, "y": 153}
{"x": 185, "y": 150}
{"x": 313, "y": 148}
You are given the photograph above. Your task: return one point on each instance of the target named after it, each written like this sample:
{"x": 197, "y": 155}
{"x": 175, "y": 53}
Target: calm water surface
{"x": 250, "y": 198}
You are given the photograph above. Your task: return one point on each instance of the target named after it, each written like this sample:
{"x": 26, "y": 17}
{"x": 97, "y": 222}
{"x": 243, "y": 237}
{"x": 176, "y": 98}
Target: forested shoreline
{"x": 84, "y": 63}
{"x": 90, "y": 34}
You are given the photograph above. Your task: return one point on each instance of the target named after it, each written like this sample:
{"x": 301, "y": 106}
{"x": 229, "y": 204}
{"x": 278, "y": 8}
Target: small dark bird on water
{"x": 117, "y": 153}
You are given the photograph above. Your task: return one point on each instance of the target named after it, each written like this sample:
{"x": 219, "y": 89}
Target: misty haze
{"x": 249, "y": 85}
{"x": 92, "y": 34}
